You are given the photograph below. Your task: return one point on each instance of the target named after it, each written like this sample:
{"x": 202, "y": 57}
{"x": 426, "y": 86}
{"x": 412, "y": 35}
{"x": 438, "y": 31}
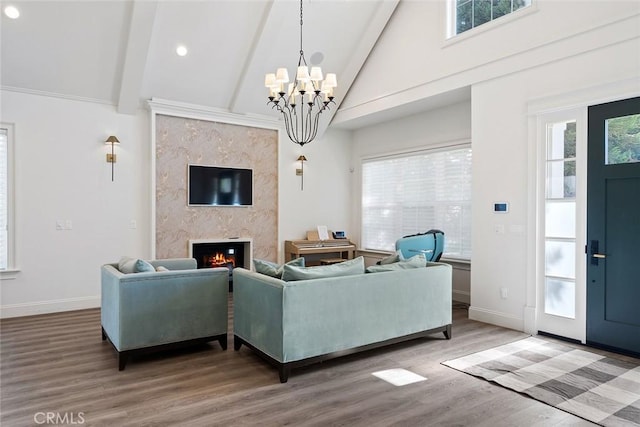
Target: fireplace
{"x": 230, "y": 253}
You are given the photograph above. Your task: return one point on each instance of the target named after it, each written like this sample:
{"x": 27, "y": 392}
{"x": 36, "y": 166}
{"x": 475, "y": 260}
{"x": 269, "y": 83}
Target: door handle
{"x": 595, "y": 252}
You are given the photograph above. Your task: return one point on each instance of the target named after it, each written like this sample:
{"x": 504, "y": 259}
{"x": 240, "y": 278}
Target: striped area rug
{"x": 600, "y": 389}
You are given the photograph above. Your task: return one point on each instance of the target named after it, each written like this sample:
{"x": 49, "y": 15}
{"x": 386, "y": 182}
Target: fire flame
{"x": 220, "y": 260}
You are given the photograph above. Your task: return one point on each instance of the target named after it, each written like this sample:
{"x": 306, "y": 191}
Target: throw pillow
{"x": 161, "y": 268}
{"x": 347, "y": 268}
{"x": 127, "y": 265}
{"x": 143, "y": 266}
{"x": 416, "y": 261}
{"x": 275, "y": 270}
{"x": 390, "y": 259}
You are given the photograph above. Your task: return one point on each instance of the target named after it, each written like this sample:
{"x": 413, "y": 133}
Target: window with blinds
{"x": 4, "y": 199}
{"x": 412, "y": 193}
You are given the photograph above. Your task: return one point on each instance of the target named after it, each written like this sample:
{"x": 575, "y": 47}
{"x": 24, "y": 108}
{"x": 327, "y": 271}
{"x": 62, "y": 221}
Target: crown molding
{"x": 192, "y": 111}
{"x": 55, "y": 95}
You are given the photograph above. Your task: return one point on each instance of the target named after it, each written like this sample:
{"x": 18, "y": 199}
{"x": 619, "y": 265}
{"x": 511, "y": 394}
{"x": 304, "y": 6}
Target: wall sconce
{"x": 300, "y": 171}
{"x": 111, "y": 157}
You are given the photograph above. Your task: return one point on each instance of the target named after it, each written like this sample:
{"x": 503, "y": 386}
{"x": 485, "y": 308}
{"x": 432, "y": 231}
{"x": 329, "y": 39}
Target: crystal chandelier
{"x": 304, "y": 99}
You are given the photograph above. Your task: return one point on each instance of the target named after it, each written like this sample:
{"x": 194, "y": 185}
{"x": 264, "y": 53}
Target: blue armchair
{"x": 149, "y": 311}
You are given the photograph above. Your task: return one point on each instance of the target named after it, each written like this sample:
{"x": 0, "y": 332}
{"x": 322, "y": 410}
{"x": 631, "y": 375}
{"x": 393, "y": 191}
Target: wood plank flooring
{"x": 58, "y": 363}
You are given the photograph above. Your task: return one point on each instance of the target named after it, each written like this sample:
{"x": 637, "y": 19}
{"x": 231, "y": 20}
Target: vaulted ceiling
{"x": 124, "y": 52}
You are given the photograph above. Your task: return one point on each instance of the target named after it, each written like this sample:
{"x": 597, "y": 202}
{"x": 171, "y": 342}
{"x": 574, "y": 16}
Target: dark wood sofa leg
{"x": 223, "y": 342}
{"x": 447, "y": 332}
{"x": 236, "y": 343}
{"x": 104, "y": 334}
{"x": 283, "y": 371}
{"x": 122, "y": 360}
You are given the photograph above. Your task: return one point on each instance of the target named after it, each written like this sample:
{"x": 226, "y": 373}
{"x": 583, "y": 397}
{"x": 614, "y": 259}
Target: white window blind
{"x": 4, "y": 199}
{"x": 413, "y": 193}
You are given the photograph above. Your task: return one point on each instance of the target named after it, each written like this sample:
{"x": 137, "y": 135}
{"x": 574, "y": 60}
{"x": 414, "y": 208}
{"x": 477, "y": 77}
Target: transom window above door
{"x": 622, "y": 140}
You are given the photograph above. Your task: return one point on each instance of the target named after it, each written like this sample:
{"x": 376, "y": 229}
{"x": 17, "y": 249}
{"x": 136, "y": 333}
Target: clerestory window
{"x": 468, "y": 14}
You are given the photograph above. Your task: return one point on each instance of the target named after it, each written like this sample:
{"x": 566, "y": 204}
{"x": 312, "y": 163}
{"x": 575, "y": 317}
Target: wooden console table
{"x": 297, "y": 248}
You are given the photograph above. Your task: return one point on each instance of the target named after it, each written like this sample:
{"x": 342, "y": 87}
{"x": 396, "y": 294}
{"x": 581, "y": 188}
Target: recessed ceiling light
{"x": 181, "y": 50}
{"x": 12, "y": 12}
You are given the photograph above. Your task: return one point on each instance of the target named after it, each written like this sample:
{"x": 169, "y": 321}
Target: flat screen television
{"x": 219, "y": 186}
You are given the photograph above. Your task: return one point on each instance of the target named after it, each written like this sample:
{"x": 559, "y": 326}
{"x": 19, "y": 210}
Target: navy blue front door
{"x": 613, "y": 226}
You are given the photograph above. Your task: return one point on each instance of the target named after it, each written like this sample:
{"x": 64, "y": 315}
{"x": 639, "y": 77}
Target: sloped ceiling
{"x": 124, "y": 52}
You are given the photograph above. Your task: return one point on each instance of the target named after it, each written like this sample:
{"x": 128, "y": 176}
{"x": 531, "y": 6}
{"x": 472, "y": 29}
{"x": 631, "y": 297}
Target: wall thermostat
{"x": 501, "y": 207}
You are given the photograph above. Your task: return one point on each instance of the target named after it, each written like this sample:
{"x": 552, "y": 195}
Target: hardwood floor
{"x": 58, "y": 364}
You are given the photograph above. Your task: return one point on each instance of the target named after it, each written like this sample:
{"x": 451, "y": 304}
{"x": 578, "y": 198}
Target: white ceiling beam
{"x": 143, "y": 17}
{"x": 260, "y": 41}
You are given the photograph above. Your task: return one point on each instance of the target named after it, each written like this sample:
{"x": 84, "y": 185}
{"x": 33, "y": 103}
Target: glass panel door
{"x": 560, "y": 219}
{"x": 560, "y": 302}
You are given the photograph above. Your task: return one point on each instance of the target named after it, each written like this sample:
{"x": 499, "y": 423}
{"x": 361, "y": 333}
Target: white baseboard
{"x": 530, "y": 326}
{"x": 461, "y": 296}
{"x": 44, "y": 307}
{"x": 496, "y": 318}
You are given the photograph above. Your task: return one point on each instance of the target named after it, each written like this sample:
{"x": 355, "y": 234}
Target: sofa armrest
{"x": 257, "y": 311}
{"x": 109, "y": 307}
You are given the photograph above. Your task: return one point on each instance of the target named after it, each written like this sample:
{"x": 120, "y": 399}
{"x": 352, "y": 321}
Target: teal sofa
{"x": 149, "y": 311}
{"x": 296, "y": 323}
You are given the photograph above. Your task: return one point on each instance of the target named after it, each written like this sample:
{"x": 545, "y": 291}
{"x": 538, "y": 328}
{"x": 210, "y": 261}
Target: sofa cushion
{"x": 346, "y": 268}
{"x": 275, "y": 270}
{"x": 416, "y": 261}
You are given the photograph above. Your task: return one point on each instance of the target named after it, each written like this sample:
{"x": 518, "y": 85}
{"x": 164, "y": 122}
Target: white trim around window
{"x": 8, "y": 263}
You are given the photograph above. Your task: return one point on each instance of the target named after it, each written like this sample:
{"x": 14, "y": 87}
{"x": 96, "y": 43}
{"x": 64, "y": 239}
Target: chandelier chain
{"x": 301, "y": 52}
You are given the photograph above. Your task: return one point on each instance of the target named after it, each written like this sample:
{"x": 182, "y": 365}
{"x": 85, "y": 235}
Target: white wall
{"x": 62, "y": 174}
{"x": 326, "y": 198}
{"x": 413, "y": 60}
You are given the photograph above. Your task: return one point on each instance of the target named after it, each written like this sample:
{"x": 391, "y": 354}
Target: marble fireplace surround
{"x": 180, "y": 141}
